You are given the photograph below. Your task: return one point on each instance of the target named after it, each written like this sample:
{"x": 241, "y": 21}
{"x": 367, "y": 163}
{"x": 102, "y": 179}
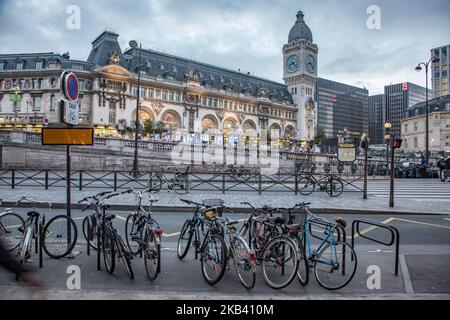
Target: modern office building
{"x": 342, "y": 106}
{"x": 398, "y": 99}
{"x": 440, "y": 73}
{"x": 413, "y": 126}
{"x": 376, "y": 119}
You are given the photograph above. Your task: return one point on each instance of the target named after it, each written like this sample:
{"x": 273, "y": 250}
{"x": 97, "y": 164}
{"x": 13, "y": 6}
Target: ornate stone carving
{"x": 114, "y": 58}
{"x": 157, "y": 107}
{"x": 241, "y": 118}
{"x": 220, "y": 114}
{"x": 53, "y": 82}
{"x": 8, "y": 84}
{"x": 27, "y": 84}
{"x": 261, "y": 92}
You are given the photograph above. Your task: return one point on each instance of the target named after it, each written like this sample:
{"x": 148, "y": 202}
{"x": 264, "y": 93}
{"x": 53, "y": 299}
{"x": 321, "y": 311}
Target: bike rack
{"x": 395, "y": 237}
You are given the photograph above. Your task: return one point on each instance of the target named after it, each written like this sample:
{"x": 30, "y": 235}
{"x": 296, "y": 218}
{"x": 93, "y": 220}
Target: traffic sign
{"x": 70, "y": 112}
{"x": 70, "y": 86}
{"x": 67, "y": 136}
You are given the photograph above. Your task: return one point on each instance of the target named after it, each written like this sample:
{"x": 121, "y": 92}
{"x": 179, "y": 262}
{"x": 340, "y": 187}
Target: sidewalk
{"x": 348, "y": 203}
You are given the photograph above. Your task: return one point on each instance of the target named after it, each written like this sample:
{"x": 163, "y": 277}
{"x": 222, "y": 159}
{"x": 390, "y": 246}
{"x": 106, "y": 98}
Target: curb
{"x": 187, "y": 209}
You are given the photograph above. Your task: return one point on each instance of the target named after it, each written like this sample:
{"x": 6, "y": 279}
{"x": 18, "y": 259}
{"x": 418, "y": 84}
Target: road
{"x": 425, "y": 258}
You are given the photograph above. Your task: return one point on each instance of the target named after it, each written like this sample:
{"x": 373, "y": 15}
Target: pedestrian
{"x": 447, "y": 168}
{"x": 8, "y": 262}
{"x": 441, "y": 164}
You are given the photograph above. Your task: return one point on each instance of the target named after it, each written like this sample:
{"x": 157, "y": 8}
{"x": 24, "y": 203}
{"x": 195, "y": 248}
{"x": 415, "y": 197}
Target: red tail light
{"x": 253, "y": 256}
{"x": 158, "y": 233}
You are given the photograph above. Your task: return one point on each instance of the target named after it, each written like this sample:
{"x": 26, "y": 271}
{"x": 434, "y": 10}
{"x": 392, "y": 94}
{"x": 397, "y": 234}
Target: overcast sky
{"x": 243, "y": 34}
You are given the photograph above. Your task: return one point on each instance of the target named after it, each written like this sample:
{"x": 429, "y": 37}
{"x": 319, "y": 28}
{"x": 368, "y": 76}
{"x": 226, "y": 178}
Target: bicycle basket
{"x": 215, "y": 205}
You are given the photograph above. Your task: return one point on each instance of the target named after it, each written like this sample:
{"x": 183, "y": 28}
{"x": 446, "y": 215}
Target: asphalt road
{"x": 425, "y": 245}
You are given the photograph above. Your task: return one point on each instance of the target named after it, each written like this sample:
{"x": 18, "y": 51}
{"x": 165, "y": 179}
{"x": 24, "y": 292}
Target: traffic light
{"x": 398, "y": 143}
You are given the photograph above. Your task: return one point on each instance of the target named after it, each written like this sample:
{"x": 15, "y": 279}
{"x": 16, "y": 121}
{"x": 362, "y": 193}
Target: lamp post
{"x": 133, "y": 44}
{"x": 418, "y": 69}
{"x": 387, "y": 137}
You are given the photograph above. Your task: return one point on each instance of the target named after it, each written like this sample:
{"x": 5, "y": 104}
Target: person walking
{"x": 441, "y": 164}
{"x": 447, "y": 168}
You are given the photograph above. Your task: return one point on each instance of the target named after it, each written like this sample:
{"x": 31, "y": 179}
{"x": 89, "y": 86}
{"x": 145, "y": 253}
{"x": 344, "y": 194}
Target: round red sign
{"x": 71, "y": 88}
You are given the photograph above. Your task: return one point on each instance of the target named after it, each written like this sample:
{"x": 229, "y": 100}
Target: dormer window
{"x": 161, "y": 67}
{"x": 19, "y": 65}
{"x": 2, "y": 65}
{"x": 39, "y": 65}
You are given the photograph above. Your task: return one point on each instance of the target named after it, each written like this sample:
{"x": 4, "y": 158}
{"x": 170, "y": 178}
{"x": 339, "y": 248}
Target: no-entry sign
{"x": 70, "y": 86}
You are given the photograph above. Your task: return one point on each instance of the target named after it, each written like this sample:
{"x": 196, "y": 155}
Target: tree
{"x": 159, "y": 127}
{"x": 148, "y": 126}
{"x": 320, "y": 136}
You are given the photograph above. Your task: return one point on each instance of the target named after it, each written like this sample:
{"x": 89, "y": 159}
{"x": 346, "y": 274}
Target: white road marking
{"x": 406, "y": 278}
{"x": 447, "y": 219}
{"x": 121, "y": 218}
{"x": 171, "y": 235}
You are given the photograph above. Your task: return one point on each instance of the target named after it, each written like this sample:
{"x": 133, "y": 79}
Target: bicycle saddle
{"x": 110, "y": 217}
{"x": 33, "y": 214}
{"x": 231, "y": 223}
{"x": 341, "y": 222}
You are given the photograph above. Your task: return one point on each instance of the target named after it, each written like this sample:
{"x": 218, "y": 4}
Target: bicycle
{"x": 110, "y": 239}
{"x": 333, "y": 268}
{"x": 143, "y": 235}
{"x": 275, "y": 250}
{"x": 237, "y": 173}
{"x": 212, "y": 250}
{"x": 55, "y": 243}
{"x": 10, "y": 234}
{"x": 330, "y": 184}
{"x": 180, "y": 183}
{"x": 244, "y": 259}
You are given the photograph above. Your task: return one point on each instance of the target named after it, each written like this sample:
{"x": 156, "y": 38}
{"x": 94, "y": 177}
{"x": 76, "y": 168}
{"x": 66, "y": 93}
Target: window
{"x": 39, "y": 65}
{"x": 406, "y": 128}
{"x": 209, "y": 102}
{"x": 415, "y": 127}
{"x": 448, "y": 123}
{"x": 415, "y": 142}
{"x": 77, "y": 67}
{"x": 164, "y": 95}
{"x": 36, "y": 103}
{"x": 81, "y": 84}
{"x": 2, "y": 65}
{"x": 178, "y": 97}
{"x": 171, "y": 95}
{"x": 19, "y": 66}
{"x": 52, "y": 102}
{"x": 215, "y": 103}
{"x": 151, "y": 93}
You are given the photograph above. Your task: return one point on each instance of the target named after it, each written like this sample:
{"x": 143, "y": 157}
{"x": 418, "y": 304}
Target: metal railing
{"x": 394, "y": 239}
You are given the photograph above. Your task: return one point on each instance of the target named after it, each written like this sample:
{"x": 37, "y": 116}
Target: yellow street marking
{"x": 423, "y": 223}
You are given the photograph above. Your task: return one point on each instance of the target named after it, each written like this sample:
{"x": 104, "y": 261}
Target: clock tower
{"x": 300, "y": 75}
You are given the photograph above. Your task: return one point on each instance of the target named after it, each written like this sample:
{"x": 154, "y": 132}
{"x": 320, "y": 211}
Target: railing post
{"x": 397, "y": 250}
{"x": 223, "y": 182}
{"x": 13, "y": 179}
{"x": 46, "y": 179}
{"x": 260, "y": 184}
{"x": 81, "y": 180}
{"x": 115, "y": 180}
{"x": 296, "y": 184}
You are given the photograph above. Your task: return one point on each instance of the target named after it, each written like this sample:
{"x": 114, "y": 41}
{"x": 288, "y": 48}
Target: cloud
{"x": 247, "y": 35}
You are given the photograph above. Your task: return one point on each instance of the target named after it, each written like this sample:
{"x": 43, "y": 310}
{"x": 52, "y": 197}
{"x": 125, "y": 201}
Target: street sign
{"x": 68, "y": 136}
{"x": 346, "y": 153}
{"x": 70, "y": 87}
{"x": 70, "y": 112}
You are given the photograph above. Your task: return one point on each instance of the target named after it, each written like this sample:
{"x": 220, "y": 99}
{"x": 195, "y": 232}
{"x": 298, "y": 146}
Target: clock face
{"x": 293, "y": 63}
{"x": 310, "y": 64}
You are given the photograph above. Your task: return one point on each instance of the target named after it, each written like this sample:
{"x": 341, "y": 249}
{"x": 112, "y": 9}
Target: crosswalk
{"x": 412, "y": 189}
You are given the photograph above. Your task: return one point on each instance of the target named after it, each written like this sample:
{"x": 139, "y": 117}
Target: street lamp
{"x": 133, "y": 44}
{"x": 418, "y": 69}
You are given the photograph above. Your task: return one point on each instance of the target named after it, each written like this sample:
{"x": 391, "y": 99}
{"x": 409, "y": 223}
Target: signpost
{"x": 69, "y": 135}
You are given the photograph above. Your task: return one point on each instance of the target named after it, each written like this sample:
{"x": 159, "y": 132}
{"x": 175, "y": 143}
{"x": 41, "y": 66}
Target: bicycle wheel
{"x": 125, "y": 256}
{"x": 130, "y": 227}
{"x": 185, "y": 239}
{"x": 182, "y": 186}
{"x": 93, "y": 231}
{"x": 303, "y": 268}
{"x": 152, "y": 255}
{"x": 306, "y": 186}
{"x": 10, "y": 234}
{"x": 155, "y": 183}
{"x": 60, "y": 237}
{"x": 334, "y": 266}
{"x": 336, "y": 188}
{"x": 244, "y": 262}
{"x": 279, "y": 262}
{"x": 109, "y": 254}
{"x": 214, "y": 259}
